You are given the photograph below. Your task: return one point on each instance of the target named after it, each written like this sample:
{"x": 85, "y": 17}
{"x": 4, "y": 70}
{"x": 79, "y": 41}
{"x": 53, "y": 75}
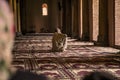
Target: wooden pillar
{"x": 75, "y": 18}
{"x": 111, "y": 22}
{"x": 18, "y": 18}
{"x": 15, "y": 7}
{"x": 60, "y": 10}
{"x": 15, "y": 15}
{"x": 103, "y": 23}
{"x": 85, "y": 20}
{"x": 23, "y": 16}
{"x": 95, "y": 8}
{"x": 67, "y": 19}
{"x": 90, "y": 9}
{"x": 117, "y": 23}
{"x": 11, "y": 4}
{"x": 80, "y": 19}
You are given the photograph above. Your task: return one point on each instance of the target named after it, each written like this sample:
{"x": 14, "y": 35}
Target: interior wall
{"x": 35, "y": 22}
{"x": 53, "y": 15}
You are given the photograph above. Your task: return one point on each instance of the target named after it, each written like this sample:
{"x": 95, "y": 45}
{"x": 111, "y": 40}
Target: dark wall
{"x": 32, "y": 19}
{"x": 67, "y": 17}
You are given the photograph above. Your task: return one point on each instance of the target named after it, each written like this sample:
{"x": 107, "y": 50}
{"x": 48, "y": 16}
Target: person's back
{"x": 25, "y": 75}
{"x": 59, "y": 41}
{"x": 100, "y": 75}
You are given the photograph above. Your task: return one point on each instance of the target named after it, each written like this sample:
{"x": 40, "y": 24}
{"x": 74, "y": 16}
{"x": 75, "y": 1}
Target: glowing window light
{"x": 44, "y": 9}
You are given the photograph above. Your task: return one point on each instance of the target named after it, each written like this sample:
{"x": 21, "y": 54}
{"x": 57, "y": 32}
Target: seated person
{"x": 99, "y": 75}
{"x": 59, "y": 41}
{"x": 7, "y": 72}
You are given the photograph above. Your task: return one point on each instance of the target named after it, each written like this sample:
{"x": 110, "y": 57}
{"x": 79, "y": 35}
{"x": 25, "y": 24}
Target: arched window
{"x": 44, "y": 9}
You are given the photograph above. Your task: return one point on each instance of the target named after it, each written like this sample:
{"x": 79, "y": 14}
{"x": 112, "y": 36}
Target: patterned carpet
{"x": 33, "y": 53}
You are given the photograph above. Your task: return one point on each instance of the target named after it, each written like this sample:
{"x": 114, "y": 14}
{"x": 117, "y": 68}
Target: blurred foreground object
{"x": 6, "y": 39}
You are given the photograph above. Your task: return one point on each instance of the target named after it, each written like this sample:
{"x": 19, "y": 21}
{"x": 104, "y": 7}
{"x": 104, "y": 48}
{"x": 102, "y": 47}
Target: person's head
{"x": 58, "y": 30}
{"x": 6, "y": 38}
{"x": 99, "y": 75}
